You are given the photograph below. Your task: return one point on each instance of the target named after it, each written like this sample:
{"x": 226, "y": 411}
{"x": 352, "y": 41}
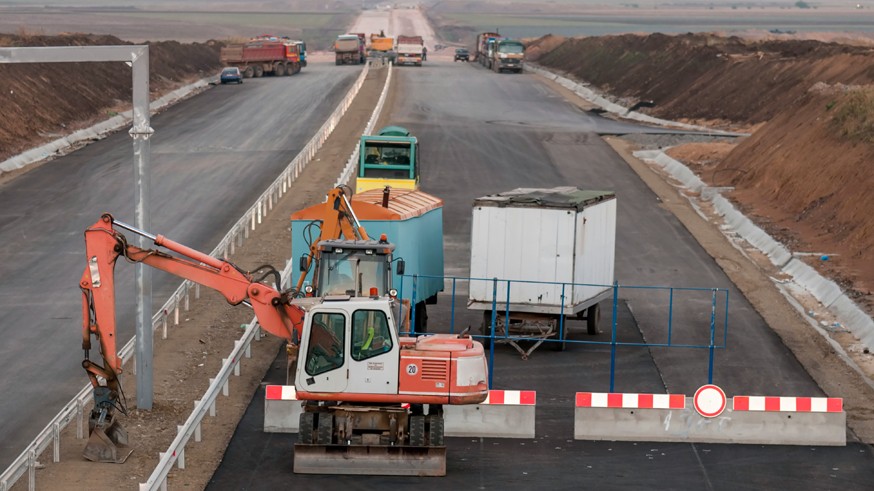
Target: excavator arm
{"x": 338, "y": 221}
{"x": 104, "y": 245}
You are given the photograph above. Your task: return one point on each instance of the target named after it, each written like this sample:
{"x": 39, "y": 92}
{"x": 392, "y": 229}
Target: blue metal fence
{"x": 712, "y": 308}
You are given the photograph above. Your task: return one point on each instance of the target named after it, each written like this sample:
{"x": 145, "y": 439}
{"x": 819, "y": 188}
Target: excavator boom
{"x": 104, "y": 244}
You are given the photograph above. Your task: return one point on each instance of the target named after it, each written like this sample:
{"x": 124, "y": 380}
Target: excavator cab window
{"x": 352, "y": 272}
{"x": 325, "y": 350}
{"x": 370, "y": 334}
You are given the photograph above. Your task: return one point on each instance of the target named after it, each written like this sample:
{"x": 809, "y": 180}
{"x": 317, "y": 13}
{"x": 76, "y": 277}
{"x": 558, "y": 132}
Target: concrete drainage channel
{"x": 803, "y": 277}
{"x": 27, "y": 462}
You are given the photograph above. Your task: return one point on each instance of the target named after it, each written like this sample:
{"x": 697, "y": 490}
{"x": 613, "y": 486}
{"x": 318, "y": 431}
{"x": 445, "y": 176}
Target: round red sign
{"x": 709, "y": 401}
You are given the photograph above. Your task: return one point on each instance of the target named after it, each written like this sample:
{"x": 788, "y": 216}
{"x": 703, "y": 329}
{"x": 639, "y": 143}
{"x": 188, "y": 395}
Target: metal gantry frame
{"x": 137, "y": 57}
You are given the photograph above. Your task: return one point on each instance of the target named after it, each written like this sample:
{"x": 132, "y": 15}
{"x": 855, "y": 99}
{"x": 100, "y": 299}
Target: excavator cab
{"x": 354, "y": 268}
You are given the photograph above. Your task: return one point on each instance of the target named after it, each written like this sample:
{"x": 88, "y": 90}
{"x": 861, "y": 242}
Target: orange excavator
{"x": 364, "y": 388}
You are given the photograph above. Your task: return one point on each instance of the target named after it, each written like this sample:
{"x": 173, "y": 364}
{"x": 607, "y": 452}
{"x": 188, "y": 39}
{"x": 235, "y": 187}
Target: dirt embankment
{"x": 44, "y": 101}
{"x": 805, "y": 174}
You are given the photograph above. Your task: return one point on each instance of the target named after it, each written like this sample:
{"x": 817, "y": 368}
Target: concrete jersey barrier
{"x": 504, "y": 414}
{"x": 747, "y": 420}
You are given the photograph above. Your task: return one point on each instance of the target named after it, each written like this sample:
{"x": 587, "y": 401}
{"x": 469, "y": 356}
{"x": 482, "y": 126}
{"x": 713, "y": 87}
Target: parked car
{"x": 462, "y": 54}
{"x": 231, "y": 74}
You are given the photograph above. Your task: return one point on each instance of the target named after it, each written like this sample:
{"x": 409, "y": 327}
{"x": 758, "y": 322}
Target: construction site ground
{"x": 804, "y": 175}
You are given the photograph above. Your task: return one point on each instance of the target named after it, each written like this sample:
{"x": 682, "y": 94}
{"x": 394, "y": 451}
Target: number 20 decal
{"x": 412, "y": 369}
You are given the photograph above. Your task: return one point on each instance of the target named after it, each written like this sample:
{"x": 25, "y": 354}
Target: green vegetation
{"x": 854, "y": 118}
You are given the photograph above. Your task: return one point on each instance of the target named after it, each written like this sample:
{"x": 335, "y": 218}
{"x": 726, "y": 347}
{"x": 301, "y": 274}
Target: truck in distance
{"x": 485, "y": 43}
{"x": 261, "y": 56}
{"x": 410, "y": 50}
{"x": 382, "y": 46}
{"x": 507, "y": 55}
{"x": 349, "y": 50}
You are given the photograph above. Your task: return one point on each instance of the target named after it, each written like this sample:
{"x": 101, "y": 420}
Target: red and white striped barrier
{"x": 707, "y": 419}
{"x": 788, "y": 404}
{"x": 281, "y": 409}
{"x": 280, "y": 393}
{"x": 630, "y": 401}
{"x": 512, "y": 397}
{"x": 504, "y": 414}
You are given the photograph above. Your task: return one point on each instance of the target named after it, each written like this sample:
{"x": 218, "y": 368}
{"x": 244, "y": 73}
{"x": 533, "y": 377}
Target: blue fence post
{"x": 400, "y": 304}
{"x": 492, "y": 330}
{"x": 670, "y": 315}
{"x": 507, "y": 313}
{"x": 613, "y": 336}
{"x": 712, "y": 334}
{"x": 452, "y": 308}
{"x": 561, "y": 316}
{"x": 725, "y": 323}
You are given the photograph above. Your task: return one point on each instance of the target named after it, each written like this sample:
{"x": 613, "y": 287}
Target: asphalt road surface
{"x": 212, "y": 156}
{"x": 482, "y": 133}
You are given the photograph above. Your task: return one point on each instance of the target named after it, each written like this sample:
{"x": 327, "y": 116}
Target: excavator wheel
{"x": 306, "y": 427}
{"x": 417, "y": 431}
{"x": 436, "y": 430}
{"x": 325, "y": 435}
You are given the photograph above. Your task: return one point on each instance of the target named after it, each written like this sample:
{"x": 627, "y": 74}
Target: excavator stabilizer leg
{"x": 369, "y": 460}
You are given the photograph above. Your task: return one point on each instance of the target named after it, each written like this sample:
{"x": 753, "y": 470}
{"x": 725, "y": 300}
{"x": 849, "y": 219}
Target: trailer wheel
{"x": 305, "y": 429}
{"x": 259, "y": 70}
{"x": 326, "y": 429}
{"x": 249, "y": 72}
{"x": 417, "y": 431}
{"x": 593, "y": 319}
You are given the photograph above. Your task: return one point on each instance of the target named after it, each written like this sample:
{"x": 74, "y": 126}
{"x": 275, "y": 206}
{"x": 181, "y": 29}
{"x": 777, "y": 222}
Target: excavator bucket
{"x": 369, "y": 460}
{"x": 107, "y": 442}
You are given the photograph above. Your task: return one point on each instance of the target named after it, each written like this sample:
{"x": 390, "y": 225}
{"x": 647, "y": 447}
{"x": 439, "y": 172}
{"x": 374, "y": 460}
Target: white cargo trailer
{"x": 557, "y": 245}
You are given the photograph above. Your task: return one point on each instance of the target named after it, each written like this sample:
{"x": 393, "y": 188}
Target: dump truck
{"x": 389, "y": 158}
{"x": 485, "y": 43}
{"x": 507, "y": 55}
{"x": 559, "y": 244}
{"x": 258, "y": 57}
{"x": 382, "y": 46}
{"x": 348, "y": 50}
{"x": 410, "y": 226}
{"x": 410, "y": 50}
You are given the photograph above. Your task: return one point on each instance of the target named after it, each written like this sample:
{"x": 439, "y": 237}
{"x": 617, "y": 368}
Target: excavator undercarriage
{"x": 370, "y": 440}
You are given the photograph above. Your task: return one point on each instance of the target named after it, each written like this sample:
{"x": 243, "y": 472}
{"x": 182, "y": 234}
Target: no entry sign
{"x": 709, "y": 401}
